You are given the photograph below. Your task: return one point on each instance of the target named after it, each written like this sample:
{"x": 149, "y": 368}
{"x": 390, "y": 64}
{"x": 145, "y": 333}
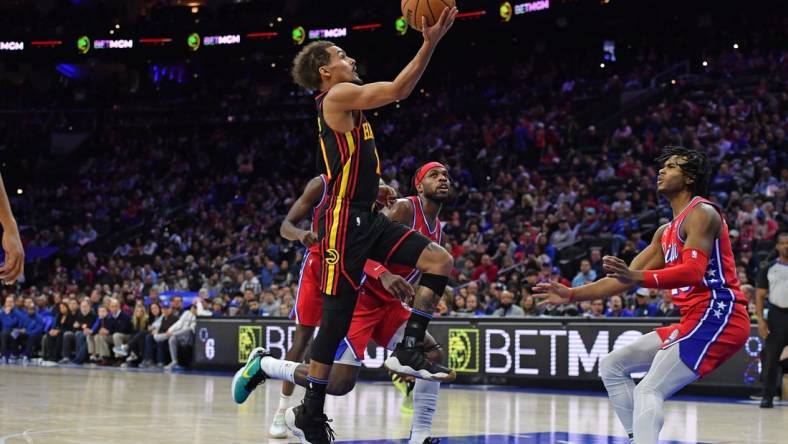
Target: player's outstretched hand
{"x": 396, "y": 285}
{"x": 14, "y": 256}
{"x": 433, "y": 34}
{"x": 551, "y": 293}
{"x": 617, "y": 269}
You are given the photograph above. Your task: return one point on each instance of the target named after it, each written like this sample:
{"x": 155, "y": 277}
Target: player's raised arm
{"x": 300, "y": 209}
{"x": 348, "y": 96}
{"x": 12, "y": 244}
{"x": 650, "y": 258}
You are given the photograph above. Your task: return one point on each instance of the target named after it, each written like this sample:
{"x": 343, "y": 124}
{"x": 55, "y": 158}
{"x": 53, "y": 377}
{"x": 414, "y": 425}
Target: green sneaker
{"x": 407, "y": 402}
{"x": 249, "y": 376}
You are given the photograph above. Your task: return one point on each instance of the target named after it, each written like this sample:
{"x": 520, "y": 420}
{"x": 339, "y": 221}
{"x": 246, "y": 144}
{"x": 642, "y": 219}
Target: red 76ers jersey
{"x": 720, "y": 282}
{"x": 430, "y": 230}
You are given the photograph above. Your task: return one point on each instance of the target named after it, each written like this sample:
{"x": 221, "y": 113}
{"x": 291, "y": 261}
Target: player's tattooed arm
{"x": 300, "y": 209}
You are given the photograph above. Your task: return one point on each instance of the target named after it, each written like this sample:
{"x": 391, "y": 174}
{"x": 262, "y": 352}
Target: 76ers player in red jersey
{"x": 380, "y": 314}
{"x": 692, "y": 257}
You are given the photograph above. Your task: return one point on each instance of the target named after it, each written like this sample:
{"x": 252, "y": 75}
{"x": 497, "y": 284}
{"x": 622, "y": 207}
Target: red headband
{"x": 424, "y": 170}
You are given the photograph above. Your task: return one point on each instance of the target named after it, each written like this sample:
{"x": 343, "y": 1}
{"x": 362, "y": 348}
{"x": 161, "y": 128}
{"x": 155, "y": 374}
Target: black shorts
{"x": 349, "y": 236}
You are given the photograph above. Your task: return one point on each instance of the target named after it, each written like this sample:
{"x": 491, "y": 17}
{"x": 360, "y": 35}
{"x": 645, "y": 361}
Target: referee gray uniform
{"x": 774, "y": 279}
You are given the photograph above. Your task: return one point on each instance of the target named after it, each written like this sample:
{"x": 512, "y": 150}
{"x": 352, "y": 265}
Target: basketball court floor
{"x": 100, "y": 406}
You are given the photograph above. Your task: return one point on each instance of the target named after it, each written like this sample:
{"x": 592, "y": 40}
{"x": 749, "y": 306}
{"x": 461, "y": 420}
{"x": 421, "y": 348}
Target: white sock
{"x": 284, "y": 401}
{"x": 425, "y": 401}
{"x": 279, "y": 368}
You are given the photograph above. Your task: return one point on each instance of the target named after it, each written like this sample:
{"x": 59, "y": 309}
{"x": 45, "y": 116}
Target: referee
{"x": 773, "y": 284}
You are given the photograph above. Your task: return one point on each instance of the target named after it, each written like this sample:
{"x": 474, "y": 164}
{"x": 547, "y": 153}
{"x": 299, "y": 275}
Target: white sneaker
{"x": 132, "y": 357}
{"x": 278, "y": 429}
{"x": 170, "y": 366}
{"x": 49, "y": 364}
{"x": 120, "y": 351}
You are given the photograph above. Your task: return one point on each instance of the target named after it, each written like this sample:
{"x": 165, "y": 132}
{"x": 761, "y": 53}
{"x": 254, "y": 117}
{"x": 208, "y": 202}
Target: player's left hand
{"x": 14, "y": 255}
{"x": 433, "y": 34}
{"x": 396, "y": 285}
{"x": 618, "y": 269}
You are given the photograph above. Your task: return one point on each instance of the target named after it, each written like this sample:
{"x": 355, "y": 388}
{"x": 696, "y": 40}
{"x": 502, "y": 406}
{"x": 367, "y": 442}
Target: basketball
{"x": 413, "y": 10}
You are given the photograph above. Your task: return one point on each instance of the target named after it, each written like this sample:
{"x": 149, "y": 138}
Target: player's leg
{"x": 399, "y": 245}
{"x": 667, "y": 375}
{"x": 615, "y": 370}
{"x": 389, "y": 330}
{"x": 301, "y": 339}
{"x": 775, "y": 343}
{"x": 425, "y": 398}
{"x": 307, "y": 312}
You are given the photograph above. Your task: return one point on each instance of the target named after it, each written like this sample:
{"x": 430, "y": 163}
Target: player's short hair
{"x": 697, "y": 167}
{"x": 307, "y": 63}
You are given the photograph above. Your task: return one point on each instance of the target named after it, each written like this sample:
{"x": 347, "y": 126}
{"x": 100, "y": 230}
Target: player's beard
{"x": 435, "y": 197}
{"x": 357, "y": 81}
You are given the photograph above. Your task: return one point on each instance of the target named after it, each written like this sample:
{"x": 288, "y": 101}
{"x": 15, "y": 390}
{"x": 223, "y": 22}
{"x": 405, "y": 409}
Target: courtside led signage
{"x": 193, "y": 41}
{"x": 229, "y": 39}
{"x": 330, "y": 33}
{"x": 113, "y": 44}
{"x": 524, "y": 8}
{"x": 12, "y": 46}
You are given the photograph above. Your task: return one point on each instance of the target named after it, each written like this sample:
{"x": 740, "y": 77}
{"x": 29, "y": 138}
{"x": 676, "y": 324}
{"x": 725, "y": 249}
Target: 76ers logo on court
{"x": 331, "y": 256}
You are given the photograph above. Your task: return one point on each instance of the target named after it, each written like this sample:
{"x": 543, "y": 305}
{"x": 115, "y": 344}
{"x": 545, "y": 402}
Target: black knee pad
{"x": 333, "y": 329}
{"x": 434, "y": 282}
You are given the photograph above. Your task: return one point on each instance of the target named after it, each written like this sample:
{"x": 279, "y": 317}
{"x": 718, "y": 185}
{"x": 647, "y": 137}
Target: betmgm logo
{"x": 249, "y": 338}
{"x": 464, "y": 350}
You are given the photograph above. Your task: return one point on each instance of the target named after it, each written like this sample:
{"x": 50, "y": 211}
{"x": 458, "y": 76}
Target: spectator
{"x": 597, "y": 310}
{"x": 83, "y": 326}
{"x": 251, "y": 283}
{"x": 617, "y": 309}
{"x": 181, "y": 333}
{"x": 139, "y": 329}
{"x": 156, "y": 347}
{"x": 270, "y": 305}
{"x": 486, "y": 272}
{"x": 643, "y": 308}
{"x": 10, "y": 321}
{"x": 596, "y": 261}
{"x": 666, "y": 307}
{"x": 30, "y": 330}
{"x": 98, "y": 341}
{"x": 586, "y": 275}
{"x": 472, "y": 308}
{"x": 563, "y": 237}
{"x": 507, "y": 308}
{"x": 53, "y": 344}
{"x": 528, "y": 306}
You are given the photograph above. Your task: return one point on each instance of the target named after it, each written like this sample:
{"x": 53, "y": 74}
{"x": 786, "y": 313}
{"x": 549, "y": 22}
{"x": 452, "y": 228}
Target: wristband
{"x": 571, "y": 295}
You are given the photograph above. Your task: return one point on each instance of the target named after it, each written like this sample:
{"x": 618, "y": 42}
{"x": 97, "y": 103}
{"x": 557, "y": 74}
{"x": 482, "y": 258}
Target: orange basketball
{"x": 413, "y": 10}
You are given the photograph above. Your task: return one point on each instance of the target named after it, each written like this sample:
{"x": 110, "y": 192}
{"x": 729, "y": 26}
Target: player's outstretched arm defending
{"x": 647, "y": 269}
{"x": 12, "y": 244}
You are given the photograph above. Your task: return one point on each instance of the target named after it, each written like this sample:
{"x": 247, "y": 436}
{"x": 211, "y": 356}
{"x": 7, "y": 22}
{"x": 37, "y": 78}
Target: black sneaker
{"x": 767, "y": 402}
{"x": 314, "y": 430}
{"x": 411, "y": 360}
{"x": 431, "y": 440}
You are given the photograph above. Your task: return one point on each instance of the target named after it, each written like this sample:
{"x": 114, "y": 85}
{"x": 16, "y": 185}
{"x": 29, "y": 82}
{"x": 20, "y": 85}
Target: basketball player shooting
{"x": 692, "y": 257}
{"x": 350, "y": 231}
{"x": 380, "y": 314}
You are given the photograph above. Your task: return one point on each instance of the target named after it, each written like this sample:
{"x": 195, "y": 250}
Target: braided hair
{"x": 697, "y": 167}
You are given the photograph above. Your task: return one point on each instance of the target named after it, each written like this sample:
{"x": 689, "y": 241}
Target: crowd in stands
{"x": 156, "y": 207}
